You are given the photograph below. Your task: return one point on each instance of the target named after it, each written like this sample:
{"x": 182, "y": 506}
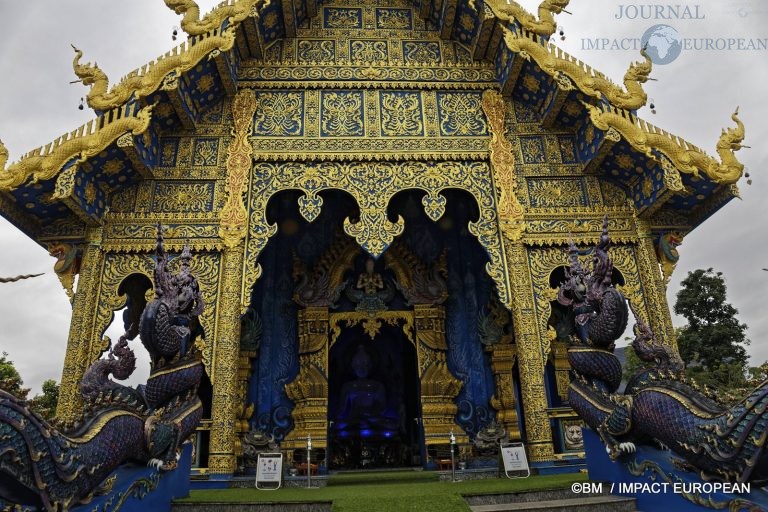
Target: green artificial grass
{"x": 386, "y": 495}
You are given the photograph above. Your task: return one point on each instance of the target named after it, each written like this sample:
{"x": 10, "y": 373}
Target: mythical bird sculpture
{"x": 54, "y": 469}
{"x": 659, "y": 404}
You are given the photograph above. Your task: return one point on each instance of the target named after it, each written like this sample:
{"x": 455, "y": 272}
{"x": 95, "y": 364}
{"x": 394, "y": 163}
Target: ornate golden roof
{"x": 611, "y": 107}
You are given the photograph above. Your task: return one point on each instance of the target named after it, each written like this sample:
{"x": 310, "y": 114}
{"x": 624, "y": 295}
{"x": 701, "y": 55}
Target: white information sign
{"x": 269, "y": 471}
{"x": 513, "y": 456}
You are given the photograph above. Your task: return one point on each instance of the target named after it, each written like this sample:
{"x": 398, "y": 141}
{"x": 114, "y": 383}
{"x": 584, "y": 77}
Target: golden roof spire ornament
{"x": 235, "y": 11}
{"x": 89, "y": 75}
{"x": 556, "y": 64}
{"x": 688, "y": 159}
{"x": 730, "y": 169}
{"x": 544, "y": 25}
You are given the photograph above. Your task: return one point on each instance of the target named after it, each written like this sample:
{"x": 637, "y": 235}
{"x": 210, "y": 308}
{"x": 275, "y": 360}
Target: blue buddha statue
{"x": 364, "y": 401}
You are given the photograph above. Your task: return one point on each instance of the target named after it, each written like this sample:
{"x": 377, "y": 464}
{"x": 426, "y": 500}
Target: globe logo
{"x": 663, "y": 44}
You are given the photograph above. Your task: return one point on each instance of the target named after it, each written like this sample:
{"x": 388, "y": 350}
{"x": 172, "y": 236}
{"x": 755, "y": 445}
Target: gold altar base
{"x": 313, "y": 414}
{"x": 438, "y": 413}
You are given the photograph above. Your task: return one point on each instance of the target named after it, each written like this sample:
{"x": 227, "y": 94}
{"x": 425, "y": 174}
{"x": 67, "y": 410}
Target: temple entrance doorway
{"x": 374, "y": 401}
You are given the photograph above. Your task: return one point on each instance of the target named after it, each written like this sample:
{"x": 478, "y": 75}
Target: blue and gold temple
{"x": 378, "y": 196}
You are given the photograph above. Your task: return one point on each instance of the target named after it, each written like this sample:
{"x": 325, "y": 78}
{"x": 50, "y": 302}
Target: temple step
{"x": 593, "y": 503}
{"x": 381, "y": 477}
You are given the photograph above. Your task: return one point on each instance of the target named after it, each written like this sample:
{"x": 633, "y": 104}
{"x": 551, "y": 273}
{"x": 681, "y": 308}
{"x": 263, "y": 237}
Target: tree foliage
{"x": 45, "y": 404}
{"x": 10, "y": 380}
{"x": 713, "y": 342}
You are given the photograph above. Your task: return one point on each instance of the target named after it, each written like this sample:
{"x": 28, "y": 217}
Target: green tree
{"x": 713, "y": 342}
{"x": 632, "y": 363}
{"x": 45, "y": 403}
{"x": 10, "y": 380}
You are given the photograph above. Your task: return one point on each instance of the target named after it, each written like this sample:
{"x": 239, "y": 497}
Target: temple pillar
{"x": 529, "y": 355}
{"x": 439, "y": 387}
{"x": 562, "y": 368}
{"x": 233, "y": 228}
{"x": 222, "y": 459}
{"x": 81, "y": 328}
{"x": 654, "y": 288}
{"x": 502, "y": 361}
{"x": 309, "y": 390}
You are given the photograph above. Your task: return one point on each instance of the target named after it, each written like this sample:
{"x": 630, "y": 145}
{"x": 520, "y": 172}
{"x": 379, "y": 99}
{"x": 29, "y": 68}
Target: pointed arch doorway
{"x": 374, "y": 409}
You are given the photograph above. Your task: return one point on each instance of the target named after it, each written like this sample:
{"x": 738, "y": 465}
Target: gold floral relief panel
{"x": 183, "y": 197}
{"x": 544, "y": 192}
{"x": 377, "y": 124}
{"x": 317, "y": 50}
{"x": 341, "y": 114}
{"x": 421, "y": 52}
{"x": 368, "y": 51}
{"x": 279, "y": 114}
{"x": 401, "y": 114}
{"x": 461, "y": 114}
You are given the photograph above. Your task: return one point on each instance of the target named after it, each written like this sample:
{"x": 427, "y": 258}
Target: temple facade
{"x": 378, "y": 196}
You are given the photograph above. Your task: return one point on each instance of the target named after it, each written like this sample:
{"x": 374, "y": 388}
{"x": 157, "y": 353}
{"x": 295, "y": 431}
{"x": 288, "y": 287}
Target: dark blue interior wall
{"x": 469, "y": 288}
{"x": 277, "y": 363}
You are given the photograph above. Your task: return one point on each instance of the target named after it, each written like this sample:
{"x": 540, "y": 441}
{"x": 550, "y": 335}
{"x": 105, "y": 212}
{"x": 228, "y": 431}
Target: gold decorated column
{"x": 527, "y": 337}
{"x": 529, "y": 355}
{"x": 233, "y": 228}
{"x": 81, "y": 328}
{"x": 654, "y": 289}
{"x": 309, "y": 390}
{"x": 225, "y": 404}
{"x": 503, "y": 356}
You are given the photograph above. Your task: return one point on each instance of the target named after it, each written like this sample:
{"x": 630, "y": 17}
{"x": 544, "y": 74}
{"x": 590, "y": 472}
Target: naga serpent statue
{"x": 55, "y": 469}
{"x": 659, "y": 405}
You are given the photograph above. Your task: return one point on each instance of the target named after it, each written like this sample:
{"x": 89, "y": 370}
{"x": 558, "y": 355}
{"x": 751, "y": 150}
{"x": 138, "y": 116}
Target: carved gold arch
{"x": 118, "y": 266}
{"x": 371, "y": 322}
{"x": 372, "y": 185}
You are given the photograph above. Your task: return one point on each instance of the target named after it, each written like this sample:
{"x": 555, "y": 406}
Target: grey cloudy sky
{"x": 694, "y": 96}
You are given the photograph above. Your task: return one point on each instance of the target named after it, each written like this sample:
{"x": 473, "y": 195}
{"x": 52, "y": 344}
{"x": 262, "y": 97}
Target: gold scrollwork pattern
{"x": 234, "y": 217}
{"x": 503, "y": 357}
{"x": 439, "y": 387}
{"x": 529, "y": 339}
{"x": 342, "y": 114}
{"x": 373, "y": 185}
{"x": 401, "y": 114}
{"x": 503, "y": 163}
{"x": 224, "y": 406}
{"x": 653, "y": 285}
{"x": 83, "y": 305}
{"x": 371, "y": 322}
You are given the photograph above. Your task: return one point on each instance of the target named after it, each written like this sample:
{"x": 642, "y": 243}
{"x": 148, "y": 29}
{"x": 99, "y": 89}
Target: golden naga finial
{"x": 191, "y": 23}
{"x": 634, "y": 96}
{"x": 683, "y": 157}
{"x": 562, "y": 68}
{"x": 730, "y": 169}
{"x": 90, "y": 74}
{"x": 545, "y": 25}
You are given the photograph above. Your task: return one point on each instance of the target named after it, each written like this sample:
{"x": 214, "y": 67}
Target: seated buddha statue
{"x": 364, "y": 400}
